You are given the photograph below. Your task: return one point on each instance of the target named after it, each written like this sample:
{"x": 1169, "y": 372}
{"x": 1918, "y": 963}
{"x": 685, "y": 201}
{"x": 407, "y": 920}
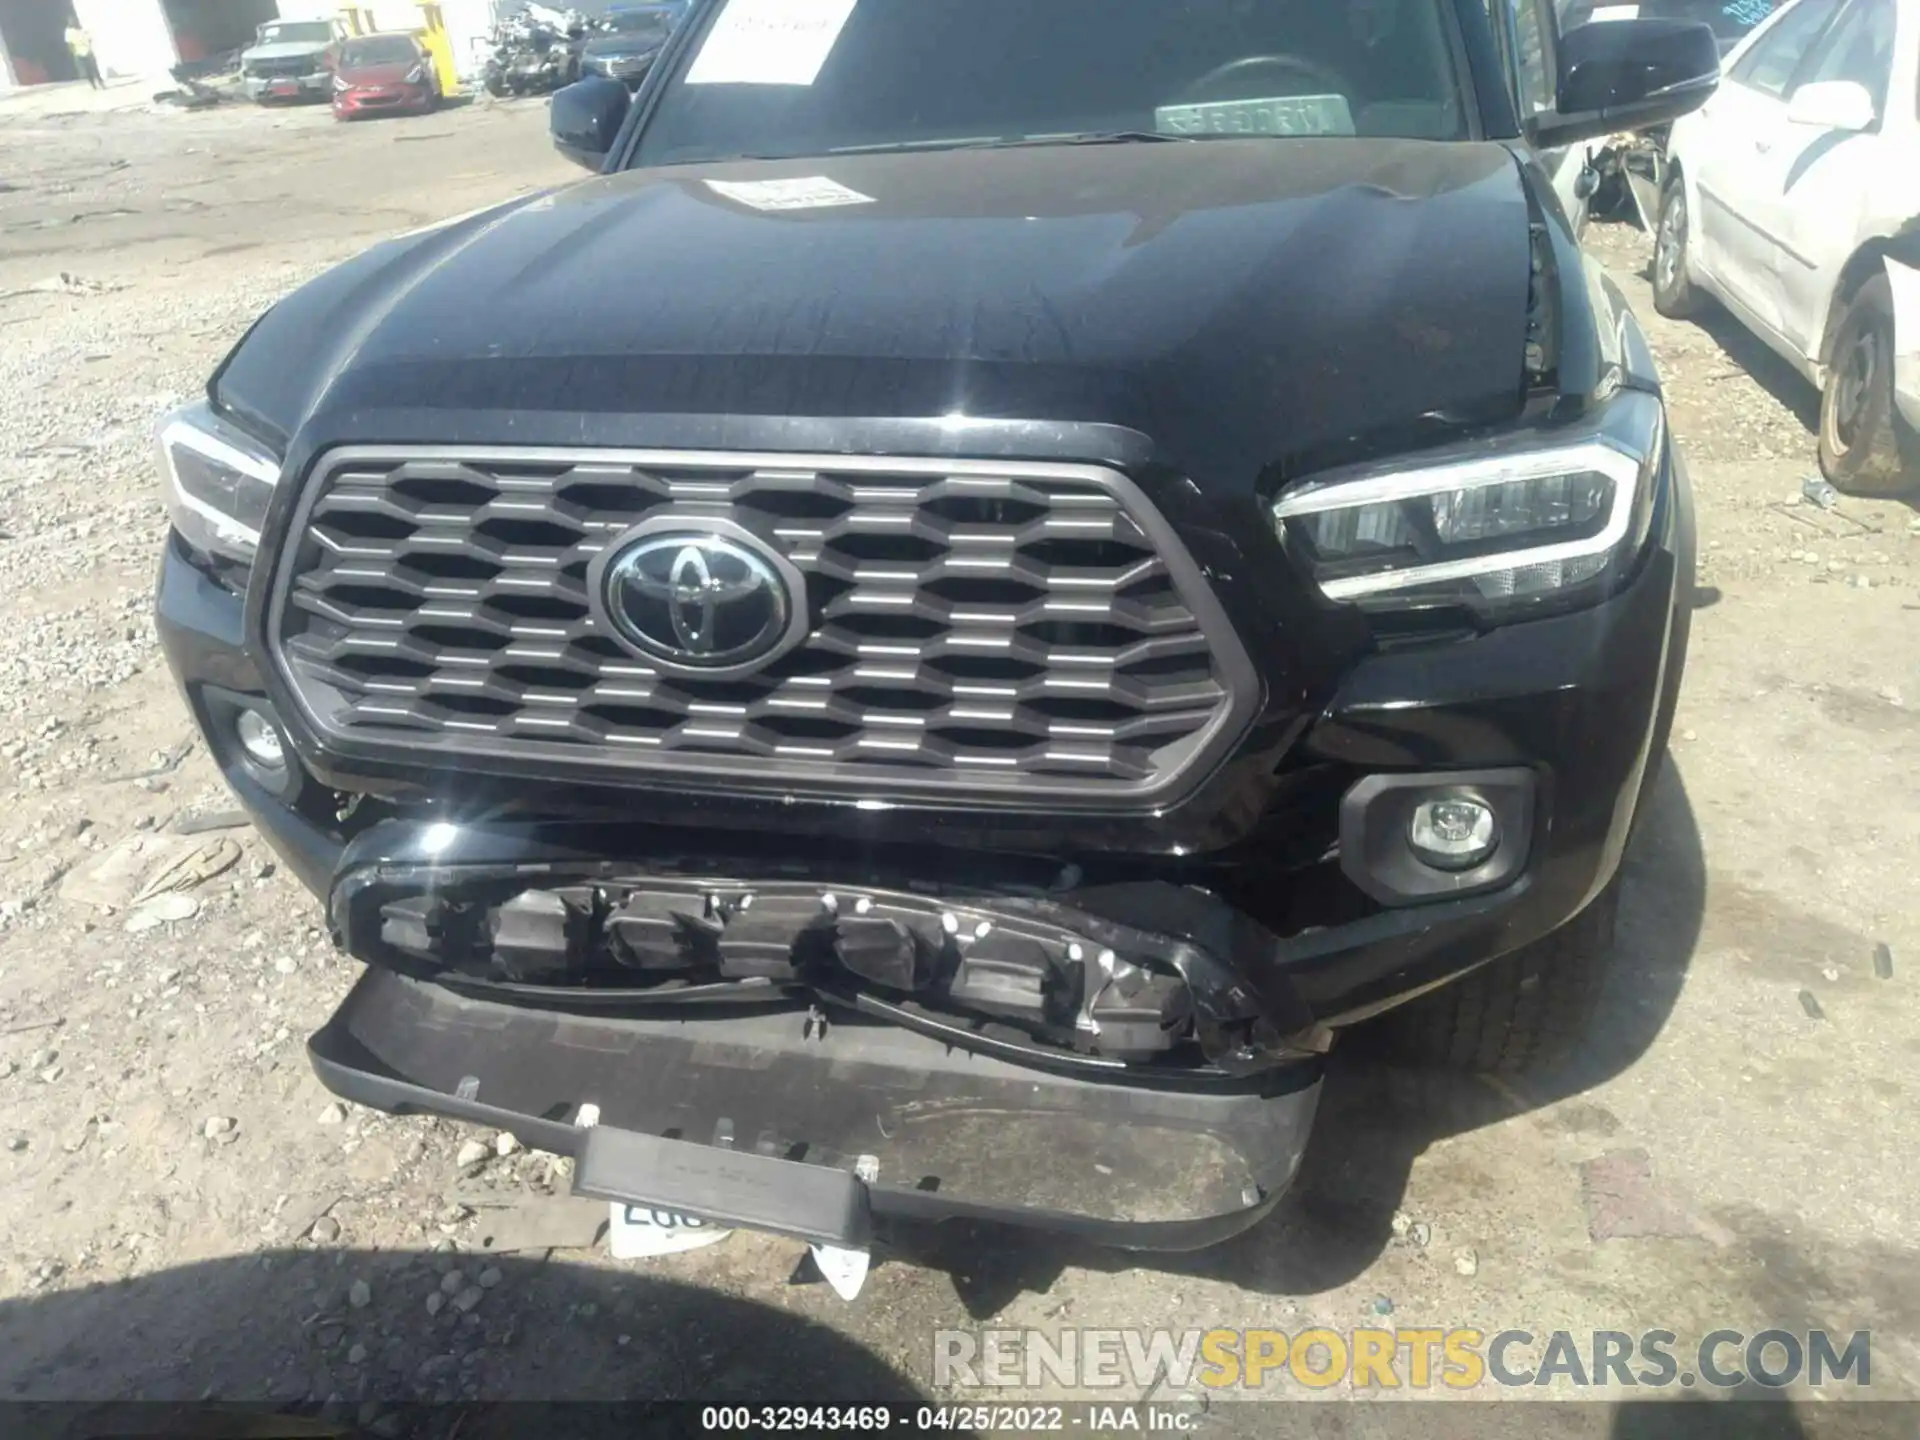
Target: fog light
{"x": 1453, "y": 834}
{"x": 261, "y": 741}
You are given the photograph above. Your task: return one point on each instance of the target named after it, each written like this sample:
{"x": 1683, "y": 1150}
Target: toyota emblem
{"x": 700, "y": 595}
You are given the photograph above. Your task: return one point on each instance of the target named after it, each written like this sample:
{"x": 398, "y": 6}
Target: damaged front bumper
{"x": 790, "y": 1057}
{"x": 766, "y": 1121}
{"x": 1096, "y": 979}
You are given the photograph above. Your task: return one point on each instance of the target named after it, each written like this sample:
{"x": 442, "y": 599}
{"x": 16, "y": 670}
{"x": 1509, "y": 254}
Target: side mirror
{"x": 1832, "y": 105}
{"x": 585, "y": 118}
{"x": 1628, "y": 75}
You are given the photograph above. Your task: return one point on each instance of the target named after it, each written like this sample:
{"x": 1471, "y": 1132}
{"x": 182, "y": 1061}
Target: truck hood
{"x": 284, "y": 50}
{"x": 1236, "y": 302}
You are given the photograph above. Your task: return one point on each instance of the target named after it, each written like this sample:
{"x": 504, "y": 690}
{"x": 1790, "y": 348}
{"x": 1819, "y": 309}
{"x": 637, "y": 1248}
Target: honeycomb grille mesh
{"x": 977, "y": 626}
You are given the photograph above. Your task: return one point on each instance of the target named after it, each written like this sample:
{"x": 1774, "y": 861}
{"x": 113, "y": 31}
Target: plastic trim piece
{"x": 1374, "y": 851}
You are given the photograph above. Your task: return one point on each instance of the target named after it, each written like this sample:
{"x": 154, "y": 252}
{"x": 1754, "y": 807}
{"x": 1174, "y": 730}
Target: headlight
{"x": 416, "y": 74}
{"x": 1512, "y": 522}
{"x": 340, "y": 85}
{"x": 218, "y": 481}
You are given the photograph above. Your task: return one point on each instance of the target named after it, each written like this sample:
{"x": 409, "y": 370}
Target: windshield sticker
{"x": 1286, "y": 115}
{"x": 770, "y": 42}
{"x": 1615, "y": 12}
{"x": 806, "y": 192}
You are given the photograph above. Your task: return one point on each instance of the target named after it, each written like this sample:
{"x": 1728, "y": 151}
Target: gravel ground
{"x": 187, "y": 1214}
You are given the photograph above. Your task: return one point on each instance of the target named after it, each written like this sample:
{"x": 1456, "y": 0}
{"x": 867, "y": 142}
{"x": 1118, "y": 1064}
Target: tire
{"x": 1674, "y": 294}
{"x": 1862, "y": 449}
{"x": 1525, "y": 1011}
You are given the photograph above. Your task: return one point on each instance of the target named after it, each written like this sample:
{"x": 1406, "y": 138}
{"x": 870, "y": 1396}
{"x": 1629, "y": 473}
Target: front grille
{"x": 284, "y": 67}
{"x": 1025, "y": 628}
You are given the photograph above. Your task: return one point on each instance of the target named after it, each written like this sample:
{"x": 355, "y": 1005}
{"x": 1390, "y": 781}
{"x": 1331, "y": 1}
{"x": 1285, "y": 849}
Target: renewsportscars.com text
{"x": 1379, "y": 1359}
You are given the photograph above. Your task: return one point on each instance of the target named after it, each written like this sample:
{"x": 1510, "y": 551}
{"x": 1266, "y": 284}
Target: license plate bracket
{"x": 726, "y": 1187}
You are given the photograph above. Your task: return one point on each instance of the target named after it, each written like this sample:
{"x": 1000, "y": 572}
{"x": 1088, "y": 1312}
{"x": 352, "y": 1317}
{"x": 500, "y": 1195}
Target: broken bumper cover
{"x": 1055, "y": 980}
{"x": 774, "y": 1122}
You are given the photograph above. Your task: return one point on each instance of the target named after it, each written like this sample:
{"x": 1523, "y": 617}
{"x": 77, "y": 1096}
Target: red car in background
{"x": 374, "y": 74}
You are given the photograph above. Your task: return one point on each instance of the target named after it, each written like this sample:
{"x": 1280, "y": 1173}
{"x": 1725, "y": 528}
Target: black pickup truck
{"x": 923, "y": 644}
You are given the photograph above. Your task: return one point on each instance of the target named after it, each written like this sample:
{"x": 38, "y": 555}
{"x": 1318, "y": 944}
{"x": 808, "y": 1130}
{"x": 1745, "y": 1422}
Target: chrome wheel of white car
{"x": 1673, "y": 292}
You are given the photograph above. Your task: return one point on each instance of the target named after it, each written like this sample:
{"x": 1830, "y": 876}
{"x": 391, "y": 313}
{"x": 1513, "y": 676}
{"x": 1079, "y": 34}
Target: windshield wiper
{"x": 1097, "y": 137}
{"x": 977, "y": 142}
{"x": 1011, "y": 142}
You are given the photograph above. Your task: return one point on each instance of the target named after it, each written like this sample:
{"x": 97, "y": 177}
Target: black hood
{"x": 1235, "y": 301}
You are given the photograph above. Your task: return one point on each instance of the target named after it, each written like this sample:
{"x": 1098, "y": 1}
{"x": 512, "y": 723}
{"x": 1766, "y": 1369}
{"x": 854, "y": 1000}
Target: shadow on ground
{"x": 282, "y": 1329}
{"x": 272, "y": 1348}
{"x": 1374, "y": 1120}
{"x": 1747, "y": 351}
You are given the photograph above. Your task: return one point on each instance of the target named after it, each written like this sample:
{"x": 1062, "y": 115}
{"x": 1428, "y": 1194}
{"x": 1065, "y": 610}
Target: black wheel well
{"x": 1866, "y": 262}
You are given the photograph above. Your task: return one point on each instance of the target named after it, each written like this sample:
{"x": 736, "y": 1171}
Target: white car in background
{"x": 1793, "y": 198}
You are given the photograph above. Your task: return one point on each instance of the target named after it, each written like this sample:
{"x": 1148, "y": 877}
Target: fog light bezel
{"x": 1376, "y": 849}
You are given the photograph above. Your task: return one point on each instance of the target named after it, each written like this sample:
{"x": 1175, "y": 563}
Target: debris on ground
{"x": 1466, "y": 1262}
{"x": 1883, "y": 960}
{"x": 1811, "y": 1005}
{"x": 1817, "y": 490}
{"x": 110, "y": 880}
{"x": 559, "y": 1222}
{"x": 211, "y": 821}
{"x": 161, "y": 910}
{"x": 191, "y": 869}
{"x": 67, "y": 283}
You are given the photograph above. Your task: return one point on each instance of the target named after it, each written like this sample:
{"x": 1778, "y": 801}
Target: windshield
{"x": 289, "y": 32}
{"x": 777, "y": 78}
{"x": 380, "y": 50}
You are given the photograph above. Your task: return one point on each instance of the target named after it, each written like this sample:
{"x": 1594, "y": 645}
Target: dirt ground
{"x": 184, "y": 1213}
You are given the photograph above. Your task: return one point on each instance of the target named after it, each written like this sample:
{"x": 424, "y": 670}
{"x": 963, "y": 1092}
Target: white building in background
{"x": 130, "y": 37}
